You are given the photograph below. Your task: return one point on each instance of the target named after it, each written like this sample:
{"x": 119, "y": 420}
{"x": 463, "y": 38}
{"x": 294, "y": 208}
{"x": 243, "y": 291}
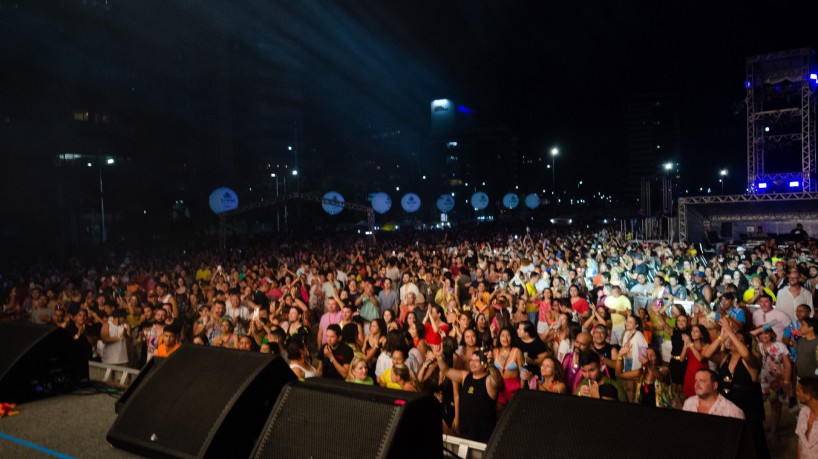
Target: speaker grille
{"x": 38, "y": 361}
{"x": 333, "y": 419}
{"x": 303, "y": 410}
{"x": 16, "y": 340}
{"x": 179, "y": 408}
{"x": 561, "y": 426}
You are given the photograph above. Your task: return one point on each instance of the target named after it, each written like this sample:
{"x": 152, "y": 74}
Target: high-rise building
{"x": 652, "y": 127}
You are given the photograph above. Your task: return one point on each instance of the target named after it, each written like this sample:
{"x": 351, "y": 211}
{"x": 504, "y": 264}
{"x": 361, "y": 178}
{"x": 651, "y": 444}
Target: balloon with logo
{"x": 381, "y": 203}
{"x": 333, "y": 203}
{"x": 445, "y": 203}
{"x": 532, "y": 201}
{"x": 410, "y": 202}
{"x": 223, "y": 199}
{"x": 511, "y": 201}
{"x": 479, "y": 200}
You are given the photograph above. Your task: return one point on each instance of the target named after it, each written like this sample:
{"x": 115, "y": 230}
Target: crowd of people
{"x": 472, "y": 317}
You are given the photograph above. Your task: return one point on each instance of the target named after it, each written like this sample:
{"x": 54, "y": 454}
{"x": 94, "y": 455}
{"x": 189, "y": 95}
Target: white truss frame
{"x": 687, "y": 208}
{"x": 757, "y": 118}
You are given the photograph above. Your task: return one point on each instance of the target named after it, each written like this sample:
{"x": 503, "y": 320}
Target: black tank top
{"x": 477, "y": 410}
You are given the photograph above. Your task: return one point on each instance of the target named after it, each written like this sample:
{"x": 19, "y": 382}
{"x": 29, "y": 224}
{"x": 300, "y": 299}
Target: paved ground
{"x": 72, "y": 425}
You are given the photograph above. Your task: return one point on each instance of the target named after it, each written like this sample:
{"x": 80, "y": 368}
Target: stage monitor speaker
{"x": 322, "y": 418}
{"x": 152, "y": 365}
{"x": 200, "y": 402}
{"x": 577, "y": 427}
{"x": 37, "y": 361}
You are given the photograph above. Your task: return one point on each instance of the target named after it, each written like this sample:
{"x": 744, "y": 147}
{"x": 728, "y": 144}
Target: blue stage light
{"x": 794, "y": 184}
{"x": 762, "y": 185}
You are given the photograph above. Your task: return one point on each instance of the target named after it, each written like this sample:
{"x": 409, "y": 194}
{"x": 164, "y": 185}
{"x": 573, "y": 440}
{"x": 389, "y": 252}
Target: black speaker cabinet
{"x": 200, "y": 402}
{"x": 578, "y": 427}
{"x": 37, "y": 361}
{"x": 335, "y": 419}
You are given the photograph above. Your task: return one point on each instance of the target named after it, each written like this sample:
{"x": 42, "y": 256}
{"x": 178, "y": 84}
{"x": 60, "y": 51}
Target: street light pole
{"x": 102, "y": 204}
{"x": 278, "y": 213}
{"x": 723, "y": 174}
{"x": 554, "y": 152}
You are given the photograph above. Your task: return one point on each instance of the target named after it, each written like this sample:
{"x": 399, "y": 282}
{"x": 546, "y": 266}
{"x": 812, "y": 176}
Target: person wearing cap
{"x": 699, "y": 282}
{"x": 730, "y": 307}
{"x": 170, "y": 340}
{"x": 114, "y": 335}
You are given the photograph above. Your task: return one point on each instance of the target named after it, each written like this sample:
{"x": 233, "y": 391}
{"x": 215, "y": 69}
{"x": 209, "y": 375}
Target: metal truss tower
{"x": 781, "y": 98}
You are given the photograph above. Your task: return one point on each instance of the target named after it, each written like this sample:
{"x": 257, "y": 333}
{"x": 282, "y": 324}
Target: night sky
{"x": 557, "y": 73}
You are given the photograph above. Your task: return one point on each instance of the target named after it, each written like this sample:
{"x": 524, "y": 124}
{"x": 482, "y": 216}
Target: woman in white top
{"x": 633, "y": 342}
{"x": 297, "y": 354}
{"x": 113, "y": 338}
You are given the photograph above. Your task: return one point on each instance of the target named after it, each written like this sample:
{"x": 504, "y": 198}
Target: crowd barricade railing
{"x": 111, "y": 374}
{"x": 465, "y": 449}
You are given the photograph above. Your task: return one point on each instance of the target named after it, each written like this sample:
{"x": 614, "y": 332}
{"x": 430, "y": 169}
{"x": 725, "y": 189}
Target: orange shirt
{"x": 163, "y": 350}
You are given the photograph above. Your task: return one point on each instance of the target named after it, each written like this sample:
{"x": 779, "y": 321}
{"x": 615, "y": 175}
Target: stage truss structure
{"x": 704, "y": 211}
{"x": 774, "y": 120}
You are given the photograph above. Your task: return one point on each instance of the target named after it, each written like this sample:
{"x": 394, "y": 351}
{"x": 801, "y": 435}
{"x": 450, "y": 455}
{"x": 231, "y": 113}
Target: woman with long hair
{"x": 694, "y": 344}
{"x": 739, "y": 368}
{"x": 508, "y": 360}
{"x": 358, "y": 372}
{"x": 402, "y": 377}
{"x": 484, "y": 336}
{"x": 633, "y": 344}
{"x": 468, "y": 348}
{"x": 431, "y": 379}
{"x": 374, "y": 343}
{"x": 389, "y": 320}
{"x": 227, "y": 338}
{"x": 578, "y": 302}
{"x": 551, "y": 377}
{"x": 652, "y": 380}
{"x": 677, "y": 363}
{"x": 298, "y": 355}
{"x": 459, "y": 327}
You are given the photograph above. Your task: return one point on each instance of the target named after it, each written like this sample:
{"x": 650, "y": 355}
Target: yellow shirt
{"x": 531, "y": 306}
{"x": 386, "y": 376}
{"x": 617, "y": 305}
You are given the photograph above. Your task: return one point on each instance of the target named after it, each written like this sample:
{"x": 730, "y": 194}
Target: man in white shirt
{"x": 407, "y": 286}
{"x": 765, "y": 315}
{"x": 641, "y": 292}
{"x": 792, "y": 294}
{"x": 708, "y": 400}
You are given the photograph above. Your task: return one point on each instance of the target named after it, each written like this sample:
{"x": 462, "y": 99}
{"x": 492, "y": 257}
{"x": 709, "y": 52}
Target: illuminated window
{"x": 80, "y": 116}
